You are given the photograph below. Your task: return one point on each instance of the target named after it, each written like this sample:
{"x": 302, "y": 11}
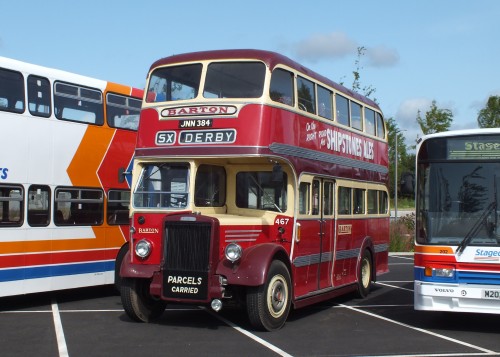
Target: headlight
{"x": 233, "y": 252}
{"x": 444, "y": 272}
{"x": 143, "y": 249}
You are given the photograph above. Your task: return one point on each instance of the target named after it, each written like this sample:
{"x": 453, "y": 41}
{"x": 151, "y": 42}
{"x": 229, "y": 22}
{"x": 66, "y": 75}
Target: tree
{"x": 436, "y": 120}
{"x": 367, "y": 91}
{"x": 406, "y": 162}
{"x": 489, "y": 116}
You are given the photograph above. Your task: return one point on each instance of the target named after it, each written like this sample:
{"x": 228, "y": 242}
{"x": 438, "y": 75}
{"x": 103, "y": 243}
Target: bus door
{"x": 313, "y": 254}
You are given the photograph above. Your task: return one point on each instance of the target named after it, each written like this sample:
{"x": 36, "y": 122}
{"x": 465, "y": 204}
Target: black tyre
{"x": 138, "y": 303}
{"x": 365, "y": 274}
{"x": 118, "y": 264}
{"x": 268, "y": 305}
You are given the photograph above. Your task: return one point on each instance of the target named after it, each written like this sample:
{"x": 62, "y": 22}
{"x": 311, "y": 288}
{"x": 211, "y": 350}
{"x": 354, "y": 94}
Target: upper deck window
{"x": 234, "y": 80}
{"x": 306, "y": 94}
{"x": 75, "y": 103}
{"x": 174, "y": 83}
{"x": 122, "y": 111}
{"x": 282, "y": 87}
{"x": 11, "y": 91}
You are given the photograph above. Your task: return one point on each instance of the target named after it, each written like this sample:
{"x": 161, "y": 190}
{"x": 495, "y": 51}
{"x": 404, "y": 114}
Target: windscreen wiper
{"x": 475, "y": 228}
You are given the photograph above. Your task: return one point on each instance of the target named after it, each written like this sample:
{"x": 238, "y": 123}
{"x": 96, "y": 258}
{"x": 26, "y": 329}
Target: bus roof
{"x": 462, "y": 132}
{"x": 271, "y": 59}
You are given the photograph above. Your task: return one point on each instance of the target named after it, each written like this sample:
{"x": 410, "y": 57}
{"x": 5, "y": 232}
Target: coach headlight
{"x": 233, "y": 252}
{"x": 441, "y": 272}
{"x": 143, "y": 249}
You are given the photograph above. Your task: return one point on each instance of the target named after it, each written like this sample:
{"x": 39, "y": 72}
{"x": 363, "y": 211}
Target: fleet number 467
{"x": 282, "y": 221}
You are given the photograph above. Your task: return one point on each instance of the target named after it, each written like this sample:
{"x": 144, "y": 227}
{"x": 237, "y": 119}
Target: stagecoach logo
{"x": 484, "y": 255}
{"x": 345, "y": 229}
{"x": 196, "y": 111}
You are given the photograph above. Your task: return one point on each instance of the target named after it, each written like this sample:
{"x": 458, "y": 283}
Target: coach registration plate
{"x": 491, "y": 294}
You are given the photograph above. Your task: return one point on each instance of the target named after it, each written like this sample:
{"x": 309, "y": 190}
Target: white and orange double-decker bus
{"x": 67, "y": 141}
{"x": 255, "y": 181}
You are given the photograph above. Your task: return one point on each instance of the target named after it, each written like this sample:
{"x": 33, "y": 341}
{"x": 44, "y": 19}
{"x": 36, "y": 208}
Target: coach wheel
{"x": 118, "y": 264}
{"x": 268, "y": 305}
{"x": 365, "y": 274}
{"x": 138, "y": 303}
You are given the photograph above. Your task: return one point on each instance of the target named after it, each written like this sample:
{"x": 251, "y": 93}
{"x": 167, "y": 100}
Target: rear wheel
{"x": 365, "y": 274}
{"x": 268, "y": 305}
{"x": 138, "y": 303}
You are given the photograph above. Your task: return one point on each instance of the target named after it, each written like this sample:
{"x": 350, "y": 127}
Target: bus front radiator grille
{"x": 187, "y": 246}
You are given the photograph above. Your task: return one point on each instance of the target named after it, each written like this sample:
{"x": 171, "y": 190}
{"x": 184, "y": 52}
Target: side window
{"x": 345, "y": 200}
{"x": 210, "y": 186}
{"x": 11, "y": 206}
{"x": 38, "y": 206}
{"x": 342, "y": 105}
{"x": 11, "y": 91}
{"x": 122, "y": 112}
{"x": 281, "y": 89}
{"x": 39, "y": 96}
{"x": 306, "y": 95}
{"x": 370, "y": 121}
{"x": 328, "y": 198}
{"x": 315, "y": 197}
{"x": 356, "y": 116}
{"x": 76, "y": 103}
{"x": 117, "y": 207}
{"x": 380, "y": 126}
{"x": 325, "y": 103}
{"x": 304, "y": 194}
{"x": 372, "y": 201}
{"x": 359, "y": 201}
{"x": 78, "y": 206}
{"x": 383, "y": 203}
{"x": 258, "y": 190}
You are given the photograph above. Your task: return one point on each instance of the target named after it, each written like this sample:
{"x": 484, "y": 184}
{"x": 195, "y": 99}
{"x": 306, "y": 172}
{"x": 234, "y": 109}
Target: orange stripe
{"x": 118, "y": 88}
{"x": 106, "y": 237}
{"x": 82, "y": 170}
{"x": 433, "y": 249}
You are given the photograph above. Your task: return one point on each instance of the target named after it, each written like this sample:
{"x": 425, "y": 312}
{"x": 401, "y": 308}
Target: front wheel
{"x": 138, "y": 303}
{"x": 268, "y": 305}
{"x": 365, "y": 274}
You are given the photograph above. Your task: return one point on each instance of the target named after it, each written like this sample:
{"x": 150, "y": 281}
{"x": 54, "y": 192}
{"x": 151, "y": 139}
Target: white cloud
{"x": 406, "y": 117}
{"x": 325, "y": 46}
{"x": 381, "y": 56}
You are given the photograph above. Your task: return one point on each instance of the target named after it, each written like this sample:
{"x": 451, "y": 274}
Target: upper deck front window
{"x": 174, "y": 83}
{"x": 223, "y": 80}
{"x": 234, "y": 80}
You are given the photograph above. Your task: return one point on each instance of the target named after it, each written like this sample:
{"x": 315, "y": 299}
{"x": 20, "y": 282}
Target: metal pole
{"x": 396, "y": 177}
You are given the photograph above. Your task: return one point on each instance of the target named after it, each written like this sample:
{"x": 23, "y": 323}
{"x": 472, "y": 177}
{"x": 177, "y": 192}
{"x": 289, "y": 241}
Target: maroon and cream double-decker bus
{"x": 255, "y": 181}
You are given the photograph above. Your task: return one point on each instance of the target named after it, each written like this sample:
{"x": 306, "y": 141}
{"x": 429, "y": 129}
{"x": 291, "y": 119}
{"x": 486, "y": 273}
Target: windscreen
{"x": 458, "y": 191}
{"x": 162, "y": 185}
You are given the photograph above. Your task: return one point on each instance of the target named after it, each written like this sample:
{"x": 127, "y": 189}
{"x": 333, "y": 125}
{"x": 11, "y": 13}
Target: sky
{"x": 416, "y": 51}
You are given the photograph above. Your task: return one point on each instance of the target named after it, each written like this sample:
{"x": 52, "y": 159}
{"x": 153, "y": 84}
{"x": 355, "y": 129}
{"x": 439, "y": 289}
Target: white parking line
{"x": 422, "y": 330}
{"x": 61, "y": 341}
{"x": 249, "y": 334}
{"x": 393, "y": 286}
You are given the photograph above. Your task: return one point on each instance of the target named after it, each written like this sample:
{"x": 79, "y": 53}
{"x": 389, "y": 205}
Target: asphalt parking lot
{"x": 91, "y": 322}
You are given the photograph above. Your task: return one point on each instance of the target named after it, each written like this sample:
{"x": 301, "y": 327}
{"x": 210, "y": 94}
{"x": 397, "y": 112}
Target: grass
{"x": 401, "y": 234}
{"x": 404, "y": 203}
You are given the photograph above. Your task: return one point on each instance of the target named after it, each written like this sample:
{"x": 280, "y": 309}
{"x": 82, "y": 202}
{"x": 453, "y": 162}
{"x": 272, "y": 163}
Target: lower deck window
{"x": 261, "y": 190}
